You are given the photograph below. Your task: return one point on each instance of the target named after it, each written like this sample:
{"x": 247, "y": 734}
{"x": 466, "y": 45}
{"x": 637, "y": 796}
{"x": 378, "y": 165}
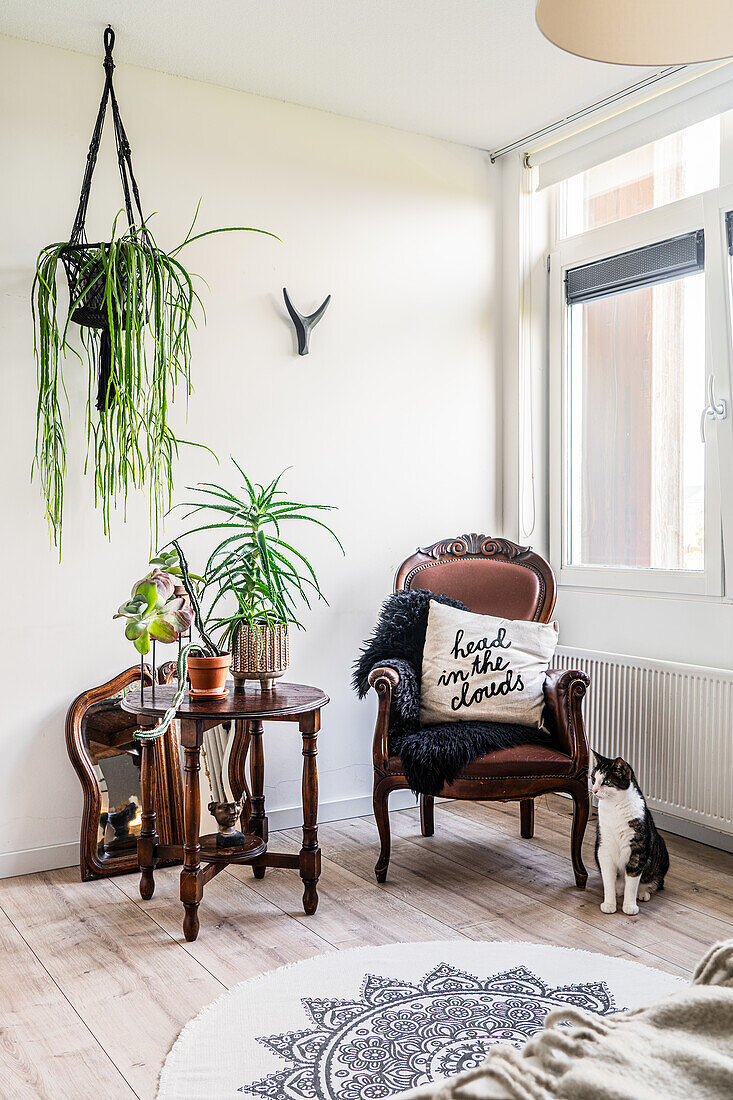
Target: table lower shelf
{"x": 265, "y": 857}
{"x": 253, "y": 848}
{"x": 243, "y": 853}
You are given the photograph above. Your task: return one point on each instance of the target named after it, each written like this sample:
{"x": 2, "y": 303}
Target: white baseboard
{"x": 30, "y": 860}
{"x": 292, "y": 817}
{"x": 53, "y": 856}
{"x": 693, "y": 831}
{"x": 402, "y": 800}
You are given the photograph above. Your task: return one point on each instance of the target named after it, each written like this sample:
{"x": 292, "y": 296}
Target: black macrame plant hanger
{"x": 84, "y": 273}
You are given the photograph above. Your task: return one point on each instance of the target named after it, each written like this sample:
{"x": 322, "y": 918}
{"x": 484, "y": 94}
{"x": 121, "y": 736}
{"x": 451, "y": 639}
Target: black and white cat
{"x": 627, "y": 843}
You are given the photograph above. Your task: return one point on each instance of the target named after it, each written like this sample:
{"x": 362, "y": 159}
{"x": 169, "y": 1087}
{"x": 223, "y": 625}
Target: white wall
{"x": 394, "y": 417}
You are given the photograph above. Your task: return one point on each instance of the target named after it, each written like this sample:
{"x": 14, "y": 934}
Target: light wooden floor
{"x": 96, "y": 984}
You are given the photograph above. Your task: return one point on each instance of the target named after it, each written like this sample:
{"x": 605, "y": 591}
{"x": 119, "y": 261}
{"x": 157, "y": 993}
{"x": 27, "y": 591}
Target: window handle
{"x": 714, "y": 410}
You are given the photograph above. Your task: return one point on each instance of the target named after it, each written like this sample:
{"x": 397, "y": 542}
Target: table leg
{"x": 191, "y": 881}
{"x": 238, "y": 772}
{"x": 258, "y": 821}
{"x": 148, "y": 834}
{"x": 310, "y": 853}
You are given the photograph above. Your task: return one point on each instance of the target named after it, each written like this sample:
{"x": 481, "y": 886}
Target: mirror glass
{"x": 115, "y": 756}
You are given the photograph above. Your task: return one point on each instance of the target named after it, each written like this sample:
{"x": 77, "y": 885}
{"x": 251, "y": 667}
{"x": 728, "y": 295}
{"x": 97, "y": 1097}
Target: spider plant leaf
{"x": 229, "y": 229}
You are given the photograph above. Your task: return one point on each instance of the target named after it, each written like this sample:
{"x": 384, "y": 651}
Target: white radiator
{"x": 673, "y": 723}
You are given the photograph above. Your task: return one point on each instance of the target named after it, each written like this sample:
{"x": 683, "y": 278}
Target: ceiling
{"x": 472, "y": 71}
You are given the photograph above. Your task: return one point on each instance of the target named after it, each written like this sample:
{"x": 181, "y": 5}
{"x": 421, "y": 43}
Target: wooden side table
{"x": 202, "y": 860}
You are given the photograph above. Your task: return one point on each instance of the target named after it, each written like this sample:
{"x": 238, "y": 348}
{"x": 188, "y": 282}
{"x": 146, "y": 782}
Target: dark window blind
{"x": 655, "y": 263}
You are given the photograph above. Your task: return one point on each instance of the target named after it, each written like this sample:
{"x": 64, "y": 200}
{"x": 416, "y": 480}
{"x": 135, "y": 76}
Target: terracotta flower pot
{"x": 209, "y": 675}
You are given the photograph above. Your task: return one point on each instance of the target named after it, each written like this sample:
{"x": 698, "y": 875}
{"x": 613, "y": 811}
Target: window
{"x": 674, "y": 167}
{"x": 636, "y": 385}
{"x": 640, "y": 293}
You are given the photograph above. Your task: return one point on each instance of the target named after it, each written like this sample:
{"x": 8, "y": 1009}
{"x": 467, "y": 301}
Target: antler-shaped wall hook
{"x": 304, "y": 325}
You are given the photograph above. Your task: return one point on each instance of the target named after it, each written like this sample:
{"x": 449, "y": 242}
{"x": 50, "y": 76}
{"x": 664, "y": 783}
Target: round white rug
{"x": 370, "y": 1022}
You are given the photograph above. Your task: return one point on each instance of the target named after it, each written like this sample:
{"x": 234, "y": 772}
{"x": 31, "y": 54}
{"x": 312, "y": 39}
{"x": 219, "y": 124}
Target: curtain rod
{"x": 662, "y": 74}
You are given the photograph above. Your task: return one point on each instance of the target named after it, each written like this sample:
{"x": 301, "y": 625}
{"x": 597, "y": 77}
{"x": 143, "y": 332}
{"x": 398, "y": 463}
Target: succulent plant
{"x": 170, "y": 562}
{"x": 153, "y": 612}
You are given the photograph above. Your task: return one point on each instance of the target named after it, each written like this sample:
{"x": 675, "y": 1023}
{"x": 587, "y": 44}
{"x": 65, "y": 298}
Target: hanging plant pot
{"x": 87, "y": 265}
{"x": 85, "y": 272}
{"x": 134, "y": 303}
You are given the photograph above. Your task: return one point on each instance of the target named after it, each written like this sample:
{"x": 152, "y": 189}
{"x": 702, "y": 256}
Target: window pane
{"x": 683, "y": 164}
{"x": 637, "y": 464}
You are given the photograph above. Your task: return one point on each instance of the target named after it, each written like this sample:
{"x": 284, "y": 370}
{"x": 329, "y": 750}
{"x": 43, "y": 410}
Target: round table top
{"x": 252, "y": 703}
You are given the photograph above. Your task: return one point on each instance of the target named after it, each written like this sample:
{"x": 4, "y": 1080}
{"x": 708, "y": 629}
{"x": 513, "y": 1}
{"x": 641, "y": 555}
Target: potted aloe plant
{"x": 256, "y": 578}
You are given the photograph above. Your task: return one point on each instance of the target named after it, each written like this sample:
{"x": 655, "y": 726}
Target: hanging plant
{"x": 134, "y": 304}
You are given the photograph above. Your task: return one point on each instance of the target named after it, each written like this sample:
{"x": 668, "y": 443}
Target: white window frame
{"x": 706, "y": 211}
{"x": 719, "y": 301}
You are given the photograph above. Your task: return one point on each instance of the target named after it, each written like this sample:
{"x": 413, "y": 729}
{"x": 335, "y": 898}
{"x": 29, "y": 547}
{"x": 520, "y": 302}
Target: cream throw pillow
{"x": 476, "y": 668}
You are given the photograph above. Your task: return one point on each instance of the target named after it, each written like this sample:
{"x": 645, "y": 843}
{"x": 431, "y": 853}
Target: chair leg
{"x": 526, "y": 818}
{"x": 427, "y": 814}
{"x": 381, "y": 814}
{"x": 581, "y": 807}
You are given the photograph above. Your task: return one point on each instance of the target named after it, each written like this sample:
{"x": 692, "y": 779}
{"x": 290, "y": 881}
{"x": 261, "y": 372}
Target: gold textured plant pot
{"x": 260, "y": 653}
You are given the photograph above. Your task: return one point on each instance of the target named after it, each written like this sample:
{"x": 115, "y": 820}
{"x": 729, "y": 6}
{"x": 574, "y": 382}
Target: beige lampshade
{"x": 640, "y": 32}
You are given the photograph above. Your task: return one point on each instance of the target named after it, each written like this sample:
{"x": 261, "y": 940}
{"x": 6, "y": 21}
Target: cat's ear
{"x": 621, "y": 768}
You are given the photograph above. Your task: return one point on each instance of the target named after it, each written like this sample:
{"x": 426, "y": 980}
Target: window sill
{"x": 647, "y": 594}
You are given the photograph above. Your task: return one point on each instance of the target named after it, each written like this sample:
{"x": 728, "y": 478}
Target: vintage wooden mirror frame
{"x": 96, "y": 715}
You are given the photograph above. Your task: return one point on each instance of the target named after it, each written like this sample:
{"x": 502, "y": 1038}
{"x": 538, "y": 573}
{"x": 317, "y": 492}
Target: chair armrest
{"x": 168, "y": 672}
{"x": 384, "y": 680}
{"x": 384, "y": 672}
{"x": 564, "y": 692}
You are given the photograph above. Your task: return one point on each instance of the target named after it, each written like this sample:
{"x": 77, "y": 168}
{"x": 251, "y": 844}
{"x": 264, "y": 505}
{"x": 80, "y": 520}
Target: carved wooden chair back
{"x": 491, "y": 576}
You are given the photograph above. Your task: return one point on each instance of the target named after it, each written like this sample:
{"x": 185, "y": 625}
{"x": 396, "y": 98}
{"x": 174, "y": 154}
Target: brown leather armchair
{"x": 493, "y": 577}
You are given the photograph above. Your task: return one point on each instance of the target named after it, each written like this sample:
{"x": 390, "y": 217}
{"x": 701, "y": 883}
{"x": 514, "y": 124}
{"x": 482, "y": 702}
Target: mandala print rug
{"x": 371, "y": 1022}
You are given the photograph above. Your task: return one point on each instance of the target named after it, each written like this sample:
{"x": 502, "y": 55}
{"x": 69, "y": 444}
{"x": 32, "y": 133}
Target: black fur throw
{"x": 432, "y": 755}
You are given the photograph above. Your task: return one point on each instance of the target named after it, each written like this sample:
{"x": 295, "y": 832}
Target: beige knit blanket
{"x": 678, "y": 1047}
